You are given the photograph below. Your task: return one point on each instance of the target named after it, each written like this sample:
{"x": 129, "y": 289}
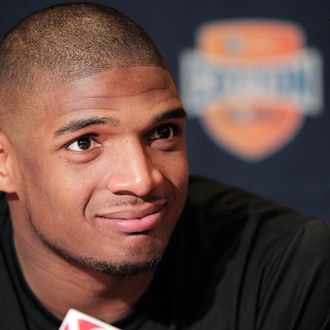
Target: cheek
{"x": 175, "y": 170}
{"x": 52, "y": 189}
{"x": 174, "y": 167}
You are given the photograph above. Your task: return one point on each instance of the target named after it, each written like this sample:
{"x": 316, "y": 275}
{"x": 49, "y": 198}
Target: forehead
{"x": 112, "y": 86}
{"x": 142, "y": 89}
{"x": 129, "y": 90}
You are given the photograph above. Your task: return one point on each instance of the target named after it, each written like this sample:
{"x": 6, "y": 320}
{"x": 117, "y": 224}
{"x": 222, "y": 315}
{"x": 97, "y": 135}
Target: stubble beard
{"x": 116, "y": 269}
{"x": 123, "y": 269}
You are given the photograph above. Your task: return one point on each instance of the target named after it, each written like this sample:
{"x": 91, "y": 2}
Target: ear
{"x": 7, "y": 163}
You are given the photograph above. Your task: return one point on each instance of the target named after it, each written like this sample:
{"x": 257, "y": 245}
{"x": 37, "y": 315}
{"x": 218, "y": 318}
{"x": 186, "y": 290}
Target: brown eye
{"x": 82, "y": 144}
{"x": 163, "y": 132}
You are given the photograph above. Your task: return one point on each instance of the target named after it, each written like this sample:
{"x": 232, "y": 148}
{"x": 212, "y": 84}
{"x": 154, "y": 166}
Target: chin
{"x": 138, "y": 257}
{"x": 124, "y": 269}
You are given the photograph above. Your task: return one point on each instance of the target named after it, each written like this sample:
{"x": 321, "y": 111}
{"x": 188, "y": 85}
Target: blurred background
{"x": 253, "y": 76}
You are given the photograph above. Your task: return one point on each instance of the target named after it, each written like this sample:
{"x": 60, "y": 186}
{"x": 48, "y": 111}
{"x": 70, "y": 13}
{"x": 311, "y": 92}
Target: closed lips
{"x": 133, "y": 214}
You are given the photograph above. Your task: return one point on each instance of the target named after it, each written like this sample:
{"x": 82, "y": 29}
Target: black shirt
{"x": 235, "y": 261}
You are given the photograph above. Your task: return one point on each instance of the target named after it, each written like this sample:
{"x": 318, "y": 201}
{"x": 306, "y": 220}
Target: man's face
{"x": 103, "y": 168}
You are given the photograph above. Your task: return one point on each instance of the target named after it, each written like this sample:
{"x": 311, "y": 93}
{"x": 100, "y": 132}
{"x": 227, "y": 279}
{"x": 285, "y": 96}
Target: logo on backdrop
{"x": 252, "y": 83}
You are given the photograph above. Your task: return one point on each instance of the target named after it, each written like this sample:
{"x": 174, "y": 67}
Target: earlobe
{"x": 7, "y": 182}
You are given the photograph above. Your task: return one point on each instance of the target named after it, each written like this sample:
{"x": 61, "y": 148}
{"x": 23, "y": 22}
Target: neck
{"x": 60, "y": 285}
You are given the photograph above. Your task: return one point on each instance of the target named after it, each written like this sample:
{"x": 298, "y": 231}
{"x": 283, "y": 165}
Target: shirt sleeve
{"x": 296, "y": 284}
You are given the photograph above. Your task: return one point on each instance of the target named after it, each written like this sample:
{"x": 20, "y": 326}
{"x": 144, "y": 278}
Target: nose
{"x": 136, "y": 172}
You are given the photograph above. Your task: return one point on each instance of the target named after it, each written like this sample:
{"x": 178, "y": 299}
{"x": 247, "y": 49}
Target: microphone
{"x": 75, "y": 320}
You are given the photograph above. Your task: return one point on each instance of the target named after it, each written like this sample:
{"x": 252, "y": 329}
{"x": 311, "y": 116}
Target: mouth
{"x": 135, "y": 220}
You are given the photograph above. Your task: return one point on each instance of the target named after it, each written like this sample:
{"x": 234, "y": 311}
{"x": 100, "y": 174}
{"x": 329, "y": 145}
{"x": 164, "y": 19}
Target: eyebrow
{"x": 175, "y": 113}
{"x": 78, "y": 124}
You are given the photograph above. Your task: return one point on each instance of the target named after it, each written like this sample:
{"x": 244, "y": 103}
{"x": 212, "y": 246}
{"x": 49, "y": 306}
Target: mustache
{"x": 135, "y": 201}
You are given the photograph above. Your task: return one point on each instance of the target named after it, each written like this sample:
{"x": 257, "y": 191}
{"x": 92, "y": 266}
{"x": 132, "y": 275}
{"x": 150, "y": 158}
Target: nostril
{"x": 138, "y": 186}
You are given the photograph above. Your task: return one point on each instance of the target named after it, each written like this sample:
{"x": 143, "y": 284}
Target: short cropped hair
{"x": 68, "y": 42}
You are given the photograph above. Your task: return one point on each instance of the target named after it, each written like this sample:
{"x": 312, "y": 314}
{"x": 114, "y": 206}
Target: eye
{"x": 82, "y": 144}
{"x": 164, "y": 132}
